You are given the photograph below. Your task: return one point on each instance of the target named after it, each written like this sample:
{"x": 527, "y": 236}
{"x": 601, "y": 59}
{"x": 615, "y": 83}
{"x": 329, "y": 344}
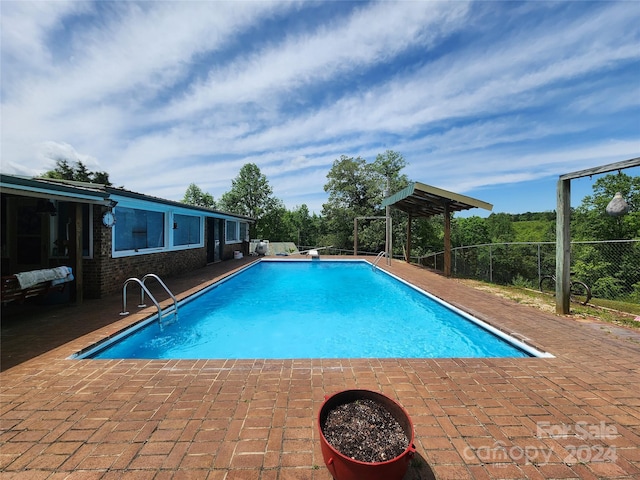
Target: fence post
{"x": 491, "y": 263}
{"x": 455, "y": 259}
{"x": 539, "y": 264}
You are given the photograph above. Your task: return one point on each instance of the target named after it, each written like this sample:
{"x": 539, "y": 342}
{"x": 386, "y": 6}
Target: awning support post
{"x": 408, "y": 249}
{"x": 447, "y": 240}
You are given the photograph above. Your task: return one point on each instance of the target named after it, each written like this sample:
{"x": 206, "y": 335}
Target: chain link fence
{"x": 610, "y": 268}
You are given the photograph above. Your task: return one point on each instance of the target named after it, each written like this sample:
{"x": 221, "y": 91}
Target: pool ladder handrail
{"x": 377, "y": 259}
{"x": 143, "y": 290}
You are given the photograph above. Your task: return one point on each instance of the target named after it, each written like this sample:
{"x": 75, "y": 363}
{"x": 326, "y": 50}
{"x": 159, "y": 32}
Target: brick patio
{"x": 573, "y": 416}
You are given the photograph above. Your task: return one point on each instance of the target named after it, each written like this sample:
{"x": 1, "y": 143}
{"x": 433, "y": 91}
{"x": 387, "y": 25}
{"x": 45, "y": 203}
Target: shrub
{"x": 520, "y": 281}
{"x": 607, "y": 287}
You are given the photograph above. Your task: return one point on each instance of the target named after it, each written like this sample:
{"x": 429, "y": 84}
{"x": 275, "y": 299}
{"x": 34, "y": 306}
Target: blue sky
{"x": 493, "y": 100}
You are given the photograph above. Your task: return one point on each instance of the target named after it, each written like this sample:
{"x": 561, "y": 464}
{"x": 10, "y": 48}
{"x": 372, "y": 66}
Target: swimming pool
{"x": 313, "y": 309}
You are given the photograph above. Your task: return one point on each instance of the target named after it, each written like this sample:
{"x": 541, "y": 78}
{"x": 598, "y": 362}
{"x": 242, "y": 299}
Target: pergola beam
{"x": 612, "y": 167}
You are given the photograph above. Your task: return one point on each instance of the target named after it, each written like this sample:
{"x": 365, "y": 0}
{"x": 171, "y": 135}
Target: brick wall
{"x": 104, "y": 275}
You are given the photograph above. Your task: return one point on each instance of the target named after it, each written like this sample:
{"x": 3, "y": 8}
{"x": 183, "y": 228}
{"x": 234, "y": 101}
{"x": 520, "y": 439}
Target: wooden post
{"x": 447, "y": 241}
{"x": 75, "y": 251}
{"x": 563, "y": 246}
{"x": 387, "y": 228}
{"x": 390, "y": 257}
{"x": 408, "y": 252}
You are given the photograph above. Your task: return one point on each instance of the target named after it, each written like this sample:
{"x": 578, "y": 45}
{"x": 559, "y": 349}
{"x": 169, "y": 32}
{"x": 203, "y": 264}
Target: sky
{"x": 489, "y": 99}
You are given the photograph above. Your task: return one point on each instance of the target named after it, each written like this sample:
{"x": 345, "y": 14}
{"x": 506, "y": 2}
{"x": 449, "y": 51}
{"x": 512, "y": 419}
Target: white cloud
{"x": 369, "y": 36}
{"x": 26, "y": 27}
{"x": 163, "y": 94}
{"x": 52, "y": 152}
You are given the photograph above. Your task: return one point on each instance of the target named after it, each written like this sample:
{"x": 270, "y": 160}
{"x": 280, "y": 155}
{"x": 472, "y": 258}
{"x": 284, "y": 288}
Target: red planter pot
{"x": 346, "y": 468}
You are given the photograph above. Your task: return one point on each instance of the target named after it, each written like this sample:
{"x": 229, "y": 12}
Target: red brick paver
{"x": 573, "y": 416}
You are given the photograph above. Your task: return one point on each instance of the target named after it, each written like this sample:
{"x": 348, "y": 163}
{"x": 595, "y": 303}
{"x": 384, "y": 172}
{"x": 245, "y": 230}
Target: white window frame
{"x": 198, "y": 244}
{"x": 140, "y": 251}
{"x": 232, "y": 226}
{"x": 246, "y": 231}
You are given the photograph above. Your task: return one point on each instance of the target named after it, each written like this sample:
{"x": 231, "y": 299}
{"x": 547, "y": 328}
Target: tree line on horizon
{"x": 356, "y": 188}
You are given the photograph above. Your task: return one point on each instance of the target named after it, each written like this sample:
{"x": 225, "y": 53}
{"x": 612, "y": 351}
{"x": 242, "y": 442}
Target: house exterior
{"x": 108, "y": 234}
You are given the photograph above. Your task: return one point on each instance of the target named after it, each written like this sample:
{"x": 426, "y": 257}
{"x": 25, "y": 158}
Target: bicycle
{"x": 579, "y": 292}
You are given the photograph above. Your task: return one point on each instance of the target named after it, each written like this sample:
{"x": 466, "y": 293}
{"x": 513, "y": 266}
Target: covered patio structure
{"x": 421, "y": 200}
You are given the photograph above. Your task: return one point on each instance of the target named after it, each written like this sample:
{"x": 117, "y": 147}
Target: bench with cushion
{"x": 24, "y": 285}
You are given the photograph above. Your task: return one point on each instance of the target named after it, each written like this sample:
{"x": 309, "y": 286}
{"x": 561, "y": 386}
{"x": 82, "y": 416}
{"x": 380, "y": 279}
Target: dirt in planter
{"x": 364, "y": 430}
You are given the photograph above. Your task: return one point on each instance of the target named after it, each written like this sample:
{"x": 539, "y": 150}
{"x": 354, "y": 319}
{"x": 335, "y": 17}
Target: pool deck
{"x": 573, "y": 416}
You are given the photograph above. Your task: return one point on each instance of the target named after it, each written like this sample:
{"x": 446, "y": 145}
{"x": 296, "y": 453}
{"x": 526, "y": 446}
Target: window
{"x": 244, "y": 231}
{"x": 186, "y": 230}
{"x": 233, "y": 232}
{"x": 138, "y": 229}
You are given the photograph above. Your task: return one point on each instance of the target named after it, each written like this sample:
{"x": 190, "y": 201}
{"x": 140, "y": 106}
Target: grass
{"x": 618, "y": 313}
{"x": 631, "y": 308}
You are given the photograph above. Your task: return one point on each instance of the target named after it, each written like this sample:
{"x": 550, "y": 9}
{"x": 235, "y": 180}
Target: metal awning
{"x": 422, "y": 200}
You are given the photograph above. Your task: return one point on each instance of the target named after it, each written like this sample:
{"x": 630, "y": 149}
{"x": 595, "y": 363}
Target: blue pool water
{"x": 312, "y": 309}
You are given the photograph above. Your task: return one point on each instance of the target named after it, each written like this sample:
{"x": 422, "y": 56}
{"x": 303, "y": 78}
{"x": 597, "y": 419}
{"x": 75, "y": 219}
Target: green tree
{"x": 534, "y": 230}
{"x": 388, "y": 166}
{"x": 610, "y": 268}
{"x": 304, "y": 229}
{"x": 273, "y": 223}
{"x": 195, "y": 196}
{"x": 78, "y": 172}
{"x": 351, "y": 184}
{"x": 500, "y": 227}
{"x": 427, "y": 235}
{"x": 101, "y": 177}
{"x": 356, "y": 189}
{"x": 590, "y": 220}
{"x": 353, "y": 192}
{"x": 251, "y": 195}
{"x": 469, "y": 231}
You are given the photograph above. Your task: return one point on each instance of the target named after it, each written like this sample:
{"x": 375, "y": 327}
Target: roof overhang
{"x": 94, "y": 193}
{"x": 422, "y": 200}
{"x": 52, "y": 189}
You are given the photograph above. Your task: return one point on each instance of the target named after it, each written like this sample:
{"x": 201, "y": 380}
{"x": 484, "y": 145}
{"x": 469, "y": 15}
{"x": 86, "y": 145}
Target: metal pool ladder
{"x": 143, "y": 289}
{"x": 377, "y": 260}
